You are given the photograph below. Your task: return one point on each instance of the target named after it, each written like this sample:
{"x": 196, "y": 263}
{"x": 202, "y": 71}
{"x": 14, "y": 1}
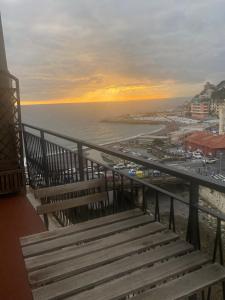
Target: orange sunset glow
{"x": 117, "y": 93}
{"x": 109, "y": 94}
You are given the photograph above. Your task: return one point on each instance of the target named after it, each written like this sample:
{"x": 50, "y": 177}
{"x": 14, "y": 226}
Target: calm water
{"x": 83, "y": 120}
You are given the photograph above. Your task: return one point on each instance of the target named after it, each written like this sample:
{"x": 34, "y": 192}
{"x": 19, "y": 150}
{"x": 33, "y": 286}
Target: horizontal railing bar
{"x": 206, "y": 210}
{"x": 197, "y": 179}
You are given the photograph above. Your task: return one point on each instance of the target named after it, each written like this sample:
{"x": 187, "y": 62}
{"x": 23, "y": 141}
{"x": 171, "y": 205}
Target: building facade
{"x": 200, "y": 108}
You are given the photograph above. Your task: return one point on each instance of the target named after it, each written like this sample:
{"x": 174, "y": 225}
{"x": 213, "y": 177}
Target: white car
{"x": 131, "y": 165}
{"x": 197, "y": 156}
{"x": 119, "y": 167}
{"x": 209, "y": 160}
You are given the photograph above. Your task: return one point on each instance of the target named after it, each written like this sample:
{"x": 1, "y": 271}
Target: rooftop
{"x": 207, "y": 139}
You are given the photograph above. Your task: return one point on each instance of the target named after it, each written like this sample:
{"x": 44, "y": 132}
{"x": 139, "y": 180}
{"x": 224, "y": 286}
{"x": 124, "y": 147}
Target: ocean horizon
{"x": 83, "y": 120}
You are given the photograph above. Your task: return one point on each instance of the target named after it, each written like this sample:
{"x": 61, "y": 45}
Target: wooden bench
{"x": 96, "y": 187}
{"x": 115, "y": 257}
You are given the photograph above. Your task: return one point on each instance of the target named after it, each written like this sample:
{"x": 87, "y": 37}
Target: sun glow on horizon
{"x": 71, "y": 101}
{"x": 113, "y": 93}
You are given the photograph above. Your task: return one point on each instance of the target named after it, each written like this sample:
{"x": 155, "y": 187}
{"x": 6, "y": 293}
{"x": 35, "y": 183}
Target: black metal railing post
{"x": 80, "y": 161}
{"x": 193, "y": 233}
{"x": 172, "y": 216}
{"x": 218, "y": 250}
{"x": 27, "y": 169}
{"x": 44, "y": 157}
{"x": 157, "y": 211}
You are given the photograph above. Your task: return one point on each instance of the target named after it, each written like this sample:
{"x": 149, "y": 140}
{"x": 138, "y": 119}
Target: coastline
{"x": 134, "y": 122}
{"x": 155, "y": 131}
{"x": 97, "y": 155}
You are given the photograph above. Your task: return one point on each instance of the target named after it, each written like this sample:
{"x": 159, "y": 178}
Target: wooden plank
{"x": 71, "y": 203}
{"x": 91, "y": 261}
{"x": 40, "y": 261}
{"x": 90, "y": 235}
{"x": 187, "y": 285}
{"x": 68, "y": 188}
{"x": 81, "y": 227}
{"x": 89, "y": 279}
{"x": 143, "y": 279}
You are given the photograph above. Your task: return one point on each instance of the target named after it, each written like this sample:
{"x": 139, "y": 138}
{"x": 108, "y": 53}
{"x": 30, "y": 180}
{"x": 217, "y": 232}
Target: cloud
{"x": 62, "y": 49}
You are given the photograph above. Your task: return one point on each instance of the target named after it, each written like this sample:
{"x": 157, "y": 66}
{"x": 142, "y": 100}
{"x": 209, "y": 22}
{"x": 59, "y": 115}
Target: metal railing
{"x": 49, "y": 164}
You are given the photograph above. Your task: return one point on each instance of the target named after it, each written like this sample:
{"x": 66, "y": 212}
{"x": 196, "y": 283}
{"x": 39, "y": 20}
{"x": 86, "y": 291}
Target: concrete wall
{"x": 213, "y": 197}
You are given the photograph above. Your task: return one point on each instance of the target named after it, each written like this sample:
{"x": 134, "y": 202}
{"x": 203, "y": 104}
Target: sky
{"x": 113, "y": 50}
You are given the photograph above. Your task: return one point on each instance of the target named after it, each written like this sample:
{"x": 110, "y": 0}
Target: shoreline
{"x": 134, "y": 122}
{"x": 96, "y": 155}
{"x": 155, "y": 131}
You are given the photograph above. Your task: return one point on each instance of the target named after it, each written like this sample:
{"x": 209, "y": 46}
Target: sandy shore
{"x": 96, "y": 155}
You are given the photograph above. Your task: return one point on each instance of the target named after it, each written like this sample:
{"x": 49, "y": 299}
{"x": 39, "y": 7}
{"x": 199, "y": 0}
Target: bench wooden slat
{"x": 90, "y": 235}
{"x": 80, "y": 282}
{"x": 187, "y": 285}
{"x": 81, "y": 227}
{"x": 71, "y": 203}
{"x": 40, "y": 261}
{"x": 93, "y": 260}
{"x": 69, "y": 188}
{"x": 146, "y": 278}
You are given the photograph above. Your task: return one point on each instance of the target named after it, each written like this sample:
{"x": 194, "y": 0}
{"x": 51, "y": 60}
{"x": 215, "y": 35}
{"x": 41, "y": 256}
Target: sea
{"x": 84, "y": 120}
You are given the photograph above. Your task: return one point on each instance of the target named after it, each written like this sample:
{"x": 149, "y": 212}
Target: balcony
{"x": 18, "y": 218}
{"x": 53, "y": 169}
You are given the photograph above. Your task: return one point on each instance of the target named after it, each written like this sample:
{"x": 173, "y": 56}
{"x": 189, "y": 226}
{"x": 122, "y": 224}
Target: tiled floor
{"x": 17, "y": 218}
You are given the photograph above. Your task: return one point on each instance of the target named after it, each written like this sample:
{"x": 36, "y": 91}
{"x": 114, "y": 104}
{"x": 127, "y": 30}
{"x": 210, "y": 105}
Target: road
{"x": 198, "y": 166}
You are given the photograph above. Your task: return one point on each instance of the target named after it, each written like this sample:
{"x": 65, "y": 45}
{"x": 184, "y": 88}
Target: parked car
{"x": 209, "y": 160}
{"x": 197, "y": 155}
{"x": 156, "y": 173}
{"x": 132, "y": 172}
{"x": 140, "y": 174}
{"x": 132, "y": 165}
{"x": 119, "y": 166}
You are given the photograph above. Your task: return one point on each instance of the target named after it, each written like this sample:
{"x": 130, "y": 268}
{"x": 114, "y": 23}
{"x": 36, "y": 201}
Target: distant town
{"x": 191, "y": 137}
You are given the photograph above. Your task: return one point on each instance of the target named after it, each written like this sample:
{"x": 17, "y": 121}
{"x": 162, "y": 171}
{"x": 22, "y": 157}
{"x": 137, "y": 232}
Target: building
{"x": 208, "y": 143}
{"x": 221, "y": 119}
{"x": 200, "y": 108}
{"x": 217, "y": 98}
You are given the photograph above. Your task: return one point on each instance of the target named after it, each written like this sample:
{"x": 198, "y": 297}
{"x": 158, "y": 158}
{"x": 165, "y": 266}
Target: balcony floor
{"x": 17, "y": 218}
